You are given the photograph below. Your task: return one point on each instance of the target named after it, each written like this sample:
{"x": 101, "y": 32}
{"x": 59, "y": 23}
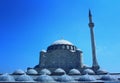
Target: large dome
{"x": 62, "y": 41}
{"x": 62, "y": 45}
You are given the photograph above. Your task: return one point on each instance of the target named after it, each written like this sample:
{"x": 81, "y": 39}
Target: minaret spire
{"x": 95, "y": 65}
{"x": 90, "y": 16}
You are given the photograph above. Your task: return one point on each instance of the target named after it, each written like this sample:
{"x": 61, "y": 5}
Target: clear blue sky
{"x": 28, "y": 26}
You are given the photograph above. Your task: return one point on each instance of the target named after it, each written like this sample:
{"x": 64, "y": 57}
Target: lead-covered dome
{"x": 65, "y": 78}
{"x": 88, "y": 71}
{"x": 59, "y": 71}
{"x": 86, "y": 78}
{"x": 62, "y": 41}
{"x": 45, "y": 71}
{"x": 45, "y": 78}
{"x": 18, "y": 72}
{"x": 74, "y": 72}
{"x": 6, "y": 77}
{"x": 99, "y": 72}
{"x": 109, "y": 77}
{"x": 61, "y": 45}
{"x": 24, "y": 78}
{"x": 32, "y": 72}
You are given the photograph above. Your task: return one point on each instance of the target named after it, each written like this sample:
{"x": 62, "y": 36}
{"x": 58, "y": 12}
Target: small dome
{"x": 6, "y": 77}
{"x": 18, "y": 72}
{"x": 86, "y": 78}
{"x": 59, "y": 71}
{"x": 88, "y": 71}
{"x": 65, "y": 78}
{"x": 24, "y": 78}
{"x": 108, "y": 77}
{"x": 74, "y": 72}
{"x": 62, "y": 41}
{"x": 43, "y": 50}
{"x": 36, "y": 66}
{"x": 32, "y": 71}
{"x": 85, "y": 66}
{"x": 101, "y": 72}
{"x": 45, "y": 78}
{"x": 79, "y": 50}
{"x": 45, "y": 71}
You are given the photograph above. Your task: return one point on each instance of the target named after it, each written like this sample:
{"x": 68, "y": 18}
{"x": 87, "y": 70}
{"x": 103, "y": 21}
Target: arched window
{"x": 71, "y": 47}
{"x": 68, "y": 47}
{"x": 63, "y": 47}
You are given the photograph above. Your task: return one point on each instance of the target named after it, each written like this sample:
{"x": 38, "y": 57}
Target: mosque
{"x": 66, "y": 56}
{"x": 62, "y": 62}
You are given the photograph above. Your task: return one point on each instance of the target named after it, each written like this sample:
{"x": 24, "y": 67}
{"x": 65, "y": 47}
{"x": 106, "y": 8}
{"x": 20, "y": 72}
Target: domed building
{"x": 65, "y": 55}
{"x": 60, "y": 54}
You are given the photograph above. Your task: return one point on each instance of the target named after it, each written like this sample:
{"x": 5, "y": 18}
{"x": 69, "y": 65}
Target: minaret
{"x": 95, "y": 65}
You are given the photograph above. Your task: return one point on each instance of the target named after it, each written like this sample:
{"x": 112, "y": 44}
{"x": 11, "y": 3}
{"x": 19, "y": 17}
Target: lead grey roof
{"x": 65, "y": 78}
{"x": 101, "y": 71}
{"x": 6, "y": 77}
{"x": 59, "y": 71}
{"x": 24, "y": 78}
{"x": 45, "y": 78}
{"x": 86, "y": 78}
{"x": 45, "y": 71}
{"x": 88, "y": 71}
{"x": 74, "y": 71}
{"x": 62, "y": 41}
{"x": 108, "y": 77}
{"x": 19, "y": 71}
{"x": 32, "y": 71}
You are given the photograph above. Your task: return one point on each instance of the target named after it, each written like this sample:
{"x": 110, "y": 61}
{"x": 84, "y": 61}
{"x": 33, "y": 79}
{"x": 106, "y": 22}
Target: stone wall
{"x": 65, "y": 59}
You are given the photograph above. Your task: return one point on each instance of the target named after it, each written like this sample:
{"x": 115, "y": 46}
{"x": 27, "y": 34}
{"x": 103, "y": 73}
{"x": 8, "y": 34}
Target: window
{"x": 71, "y": 47}
{"x": 63, "y": 47}
{"x": 67, "y": 47}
